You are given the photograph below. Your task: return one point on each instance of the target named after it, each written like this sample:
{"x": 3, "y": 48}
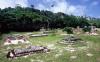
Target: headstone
{"x": 42, "y": 30}
{"x": 93, "y": 30}
{"x": 78, "y": 30}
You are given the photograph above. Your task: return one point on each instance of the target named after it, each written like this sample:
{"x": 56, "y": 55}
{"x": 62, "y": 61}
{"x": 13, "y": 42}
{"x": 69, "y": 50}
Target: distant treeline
{"x": 30, "y": 19}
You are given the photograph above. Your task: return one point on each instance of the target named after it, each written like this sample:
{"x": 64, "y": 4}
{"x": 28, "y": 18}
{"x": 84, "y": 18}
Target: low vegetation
{"x": 90, "y": 52}
{"x": 68, "y": 30}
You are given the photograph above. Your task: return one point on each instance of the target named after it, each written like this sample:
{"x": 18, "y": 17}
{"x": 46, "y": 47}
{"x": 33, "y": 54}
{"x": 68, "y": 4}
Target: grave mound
{"x": 11, "y": 39}
{"x": 26, "y": 51}
{"x": 70, "y": 40}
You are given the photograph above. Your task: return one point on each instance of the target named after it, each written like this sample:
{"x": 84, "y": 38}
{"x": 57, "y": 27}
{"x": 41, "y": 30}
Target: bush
{"x": 68, "y": 30}
{"x": 86, "y": 29}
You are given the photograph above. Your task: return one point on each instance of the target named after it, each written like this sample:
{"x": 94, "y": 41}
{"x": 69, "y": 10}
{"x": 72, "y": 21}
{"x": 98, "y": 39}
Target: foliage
{"x": 87, "y": 29}
{"x": 31, "y": 19}
{"x": 68, "y": 30}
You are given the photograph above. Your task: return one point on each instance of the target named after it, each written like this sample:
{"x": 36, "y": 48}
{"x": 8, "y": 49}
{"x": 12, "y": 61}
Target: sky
{"x": 75, "y": 7}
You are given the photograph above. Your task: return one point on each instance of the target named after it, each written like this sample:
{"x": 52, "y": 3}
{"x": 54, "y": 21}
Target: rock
{"x": 70, "y": 49}
{"x": 50, "y": 46}
{"x": 73, "y": 57}
{"x": 89, "y": 54}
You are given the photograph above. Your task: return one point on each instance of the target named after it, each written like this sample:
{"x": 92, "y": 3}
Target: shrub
{"x": 86, "y": 29}
{"x": 68, "y": 30}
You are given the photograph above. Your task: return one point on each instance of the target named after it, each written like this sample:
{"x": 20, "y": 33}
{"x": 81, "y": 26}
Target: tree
{"x": 31, "y": 19}
{"x": 68, "y": 30}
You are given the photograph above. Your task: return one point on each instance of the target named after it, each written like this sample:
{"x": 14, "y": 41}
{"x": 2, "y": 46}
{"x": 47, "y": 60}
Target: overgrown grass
{"x": 58, "y": 51}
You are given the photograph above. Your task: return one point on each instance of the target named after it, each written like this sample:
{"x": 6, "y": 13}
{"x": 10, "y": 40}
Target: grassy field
{"x": 90, "y": 52}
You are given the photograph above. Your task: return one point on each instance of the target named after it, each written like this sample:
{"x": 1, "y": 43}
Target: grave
{"x": 70, "y": 39}
{"x": 41, "y": 34}
{"x": 78, "y": 30}
{"x": 93, "y": 30}
{"x": 38, "y": 35}
{"x": 15, "y": 39}
{"x": 26, "y": 51}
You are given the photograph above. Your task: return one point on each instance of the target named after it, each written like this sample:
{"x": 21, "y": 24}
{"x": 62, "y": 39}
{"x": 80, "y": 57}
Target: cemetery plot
{"x": 38, "y": 35}
{"x": 71, "y": 40}
{"x": 26, "y": 51}
{"x": 75, "y": 48}
{"x": 15, "y": 39}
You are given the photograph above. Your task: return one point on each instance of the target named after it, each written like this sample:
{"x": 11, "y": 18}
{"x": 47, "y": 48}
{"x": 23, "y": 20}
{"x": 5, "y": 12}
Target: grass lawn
{"x": 59, "y": 52}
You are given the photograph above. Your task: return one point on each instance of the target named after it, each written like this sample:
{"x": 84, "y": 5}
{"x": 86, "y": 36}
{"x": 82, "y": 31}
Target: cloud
{"x": 98, "y": 16}
{"x": 77, "y": 10}
{"x": 95, "y": 3}
{"x": 50, "y": 5}
{"x": 41, "y": 7}
{"x": 85, "y": 0}
{"x": 12, "y": 3}
{"x": 23, "y": 3}
{"x": 61, "y": 6}
{"x": 6, "y": 3}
